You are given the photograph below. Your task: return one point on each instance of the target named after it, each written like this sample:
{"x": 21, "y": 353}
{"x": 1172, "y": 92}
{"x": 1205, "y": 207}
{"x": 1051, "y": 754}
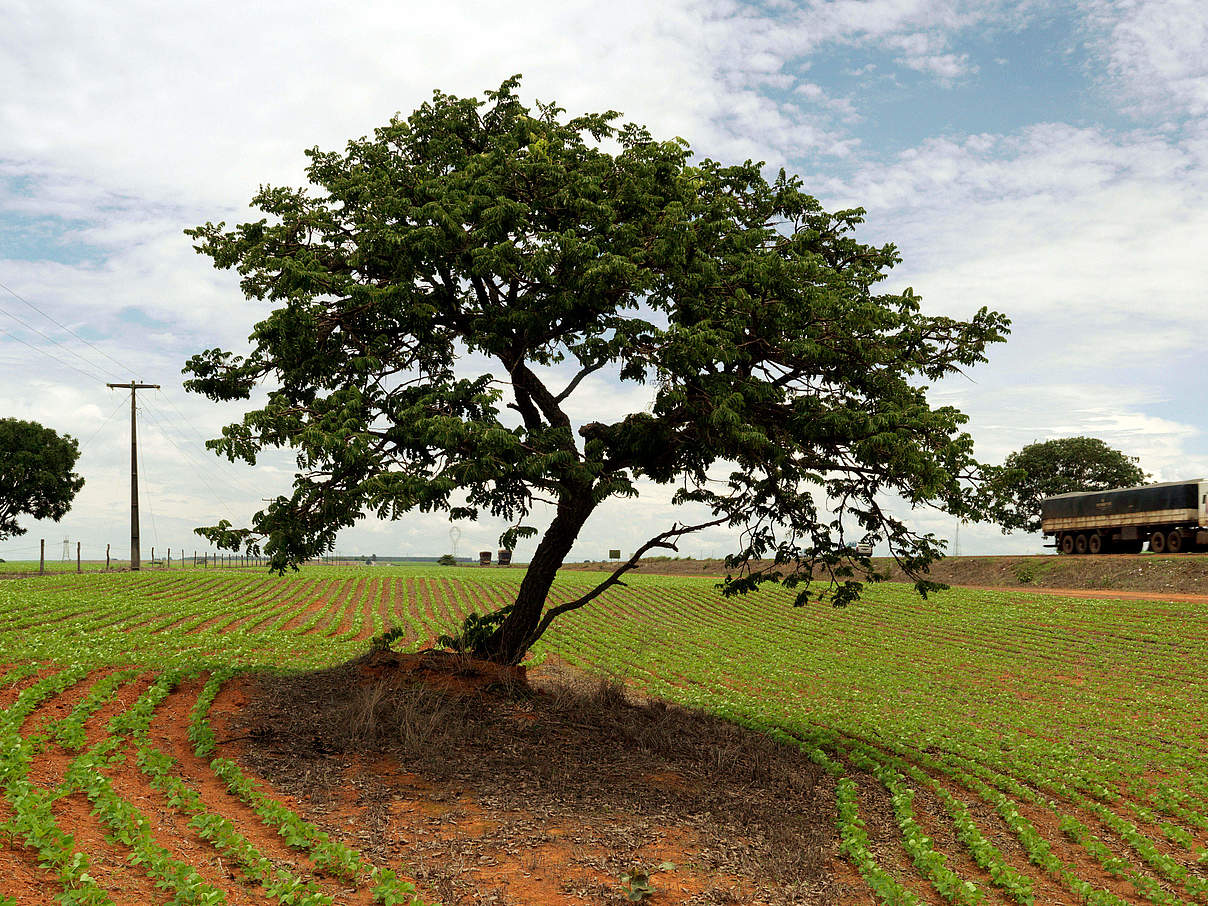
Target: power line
{"x": 204, "y": 463}
{"x": 232, "y": 474}
{"x": 192, "y": 458}
{"x": 51, "y": 355}
{"x": 21, "y": 298}
{"x": 68, "y": 349}
{"x": 147, "y": 497}
{"x": 185, "y": 421}
{"x": 104, "y": 423}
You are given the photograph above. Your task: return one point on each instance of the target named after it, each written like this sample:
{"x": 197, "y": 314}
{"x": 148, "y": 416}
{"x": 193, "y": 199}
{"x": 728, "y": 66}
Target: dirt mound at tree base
{"x": 541, "y": 789}
{"x": 1184, "y": 574}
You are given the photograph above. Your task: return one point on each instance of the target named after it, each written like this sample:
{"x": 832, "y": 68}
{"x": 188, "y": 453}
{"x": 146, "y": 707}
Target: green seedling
{"x": 637, "y": 886}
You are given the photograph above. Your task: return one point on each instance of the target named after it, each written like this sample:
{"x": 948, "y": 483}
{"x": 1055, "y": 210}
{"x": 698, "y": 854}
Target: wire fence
{"x": 42, "y": 560}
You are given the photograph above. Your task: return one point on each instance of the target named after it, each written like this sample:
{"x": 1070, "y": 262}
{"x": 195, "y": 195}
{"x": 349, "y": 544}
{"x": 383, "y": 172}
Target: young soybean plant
{"x": 327, "y": 852}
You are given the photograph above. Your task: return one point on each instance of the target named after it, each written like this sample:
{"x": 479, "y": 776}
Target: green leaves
{"x": 328, "y": 853}
{"x": 35, "y": 474}
{"x": 445, "y": 285}
{"x": 1052, "y": 467}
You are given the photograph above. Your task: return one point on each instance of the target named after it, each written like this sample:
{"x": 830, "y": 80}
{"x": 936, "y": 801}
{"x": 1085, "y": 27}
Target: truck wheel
{"x": 1094, "y": 544}
{"x": 1080, "y": 543}
{"x": 1067, "y": 543}
{"x": 1174, "y": 543}
{"x": 1157, "y": 543}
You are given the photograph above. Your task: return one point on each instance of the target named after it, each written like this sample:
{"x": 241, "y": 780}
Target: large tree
{"x": 36, "y": 477}
{"x": 1059, "y": 466}
{"x": 788, "y": 395}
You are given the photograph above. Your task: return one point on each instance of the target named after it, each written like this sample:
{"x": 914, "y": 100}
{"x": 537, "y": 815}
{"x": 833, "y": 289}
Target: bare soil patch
{"x": 499, "y": 787}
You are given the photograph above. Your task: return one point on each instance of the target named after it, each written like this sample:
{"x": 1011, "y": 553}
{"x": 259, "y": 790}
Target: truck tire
{"x": 1080, "y": 543}
{"x": 1157, "y": 543}
{"x": 1094, "y": 543}
{"x": 1174, "y": 542}
{"x": 1066, "y": 544}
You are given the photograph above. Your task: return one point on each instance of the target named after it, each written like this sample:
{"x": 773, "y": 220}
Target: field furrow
{"x": 984, "y": 747}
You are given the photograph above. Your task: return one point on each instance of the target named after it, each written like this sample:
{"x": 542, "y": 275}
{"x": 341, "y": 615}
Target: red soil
{"x": 520, "y": 855}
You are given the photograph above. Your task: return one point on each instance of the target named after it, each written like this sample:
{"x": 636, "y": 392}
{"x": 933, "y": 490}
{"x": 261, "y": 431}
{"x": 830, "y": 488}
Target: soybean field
{"x": 976, "y": 746}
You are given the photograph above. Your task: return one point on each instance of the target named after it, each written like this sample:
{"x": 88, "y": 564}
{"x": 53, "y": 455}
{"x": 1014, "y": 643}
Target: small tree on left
{"x": 36, "y": 477}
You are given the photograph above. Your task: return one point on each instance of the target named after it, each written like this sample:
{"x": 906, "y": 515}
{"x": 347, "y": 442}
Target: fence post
{"x": 106, "y": 558}
{"x": 78, "y": 569}
{"x": 169, "y": 558}
{"x": 42, "y": 559}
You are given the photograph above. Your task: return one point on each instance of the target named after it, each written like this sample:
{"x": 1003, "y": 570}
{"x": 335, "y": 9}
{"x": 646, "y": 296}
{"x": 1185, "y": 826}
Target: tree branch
{"x": 524, "y": 380}
{"x": 660, "y": 540}
{"x": 524, "y": 405}
{"x": 570, "y": 388}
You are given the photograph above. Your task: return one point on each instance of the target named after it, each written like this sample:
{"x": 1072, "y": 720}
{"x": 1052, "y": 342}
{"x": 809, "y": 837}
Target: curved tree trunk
{"x": 511, "y": 641}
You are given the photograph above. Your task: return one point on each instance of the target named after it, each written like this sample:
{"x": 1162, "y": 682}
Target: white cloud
{"x": 1153, "y": 51}
{"x": 132, "y": 120}
{"x": 926, "y": 51}
{"x": 1082, "y": 230}
{"x": 1092, "y": 242}
{"x": 202, "y": 102}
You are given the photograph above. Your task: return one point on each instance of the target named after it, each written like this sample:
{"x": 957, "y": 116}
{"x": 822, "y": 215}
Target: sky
{"x": 1047, "y": 160}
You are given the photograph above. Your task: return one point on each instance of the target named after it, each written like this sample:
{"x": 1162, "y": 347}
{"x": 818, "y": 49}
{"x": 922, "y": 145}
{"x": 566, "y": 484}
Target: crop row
{"x": 32, "y": 825}
{"x": 1060, "y": 742}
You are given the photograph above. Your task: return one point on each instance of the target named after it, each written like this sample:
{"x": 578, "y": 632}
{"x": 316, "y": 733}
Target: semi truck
{"x": 1171, "y": 517}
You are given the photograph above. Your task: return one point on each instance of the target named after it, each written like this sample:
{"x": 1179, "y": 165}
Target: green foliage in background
{"x": 1059, "y": 466}
{"x": 36, "y": 477}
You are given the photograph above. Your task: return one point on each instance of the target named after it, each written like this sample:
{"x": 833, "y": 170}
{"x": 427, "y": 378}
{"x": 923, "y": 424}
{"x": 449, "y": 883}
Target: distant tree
{"x": 1059, "y": 466}
{"x": 35, "y": 474}
{"x": 483, "y": 230}
{"x": 447, "y": 560}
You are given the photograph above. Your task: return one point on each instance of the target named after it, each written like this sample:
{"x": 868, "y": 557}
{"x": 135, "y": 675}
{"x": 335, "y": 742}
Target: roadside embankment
{"x": 1174, "y": 574}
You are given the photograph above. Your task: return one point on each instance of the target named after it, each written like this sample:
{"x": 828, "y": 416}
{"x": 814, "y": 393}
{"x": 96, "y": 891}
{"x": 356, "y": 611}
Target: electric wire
{"x": 193, "y": 461}
{"x": 142, "y": 484}
{"x": 67, "y": 349}
{"x": 8, "y": 552}
{"x": 232, "y": 477}
{"x": 108, "y": 418}
{"x": 202, "y": 466}
{"x": 180, "y": 418}
{"x": 201, "y": 458}
{"x": 184, "y": 419}
{"x": 46, "y": 352}
{"x": 54, "y": 320}
{"x": 198, "y": 463}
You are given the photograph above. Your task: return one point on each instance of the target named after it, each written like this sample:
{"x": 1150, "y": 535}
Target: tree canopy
{"x": 788, "y": 394}
{"x": 35, "y": 474}
{"x": 1059, "y": 466}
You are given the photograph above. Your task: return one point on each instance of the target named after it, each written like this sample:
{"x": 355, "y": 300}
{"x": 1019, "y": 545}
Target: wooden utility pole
{"x": 135, "y": 557}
